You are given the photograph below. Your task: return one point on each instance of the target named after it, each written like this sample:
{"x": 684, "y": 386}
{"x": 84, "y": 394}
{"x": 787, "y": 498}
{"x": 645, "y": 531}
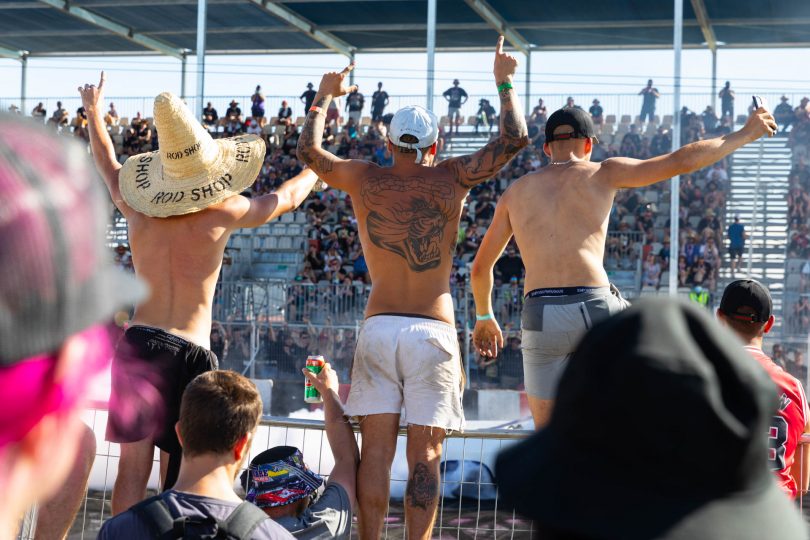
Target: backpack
{"x": 238, "y": 526}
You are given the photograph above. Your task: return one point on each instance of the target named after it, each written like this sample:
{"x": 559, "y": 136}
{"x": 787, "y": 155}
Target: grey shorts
{"x": 551, "y": 329}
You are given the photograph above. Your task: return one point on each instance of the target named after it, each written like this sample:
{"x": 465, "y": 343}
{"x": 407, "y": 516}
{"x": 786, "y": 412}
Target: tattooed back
{"x": 408, "y": 218}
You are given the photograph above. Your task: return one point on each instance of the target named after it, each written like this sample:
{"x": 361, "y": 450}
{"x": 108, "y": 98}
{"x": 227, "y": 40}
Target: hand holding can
{"x": 314, "y": 366}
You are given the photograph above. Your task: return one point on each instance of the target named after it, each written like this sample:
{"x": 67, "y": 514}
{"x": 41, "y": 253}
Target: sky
{"x": 554, "y": 75}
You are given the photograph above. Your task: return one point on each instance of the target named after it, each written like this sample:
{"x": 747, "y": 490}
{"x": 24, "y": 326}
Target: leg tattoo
{"x": 422, "y": 487}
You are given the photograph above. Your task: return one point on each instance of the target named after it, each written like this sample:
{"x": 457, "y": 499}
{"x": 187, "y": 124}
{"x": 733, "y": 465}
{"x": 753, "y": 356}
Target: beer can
{"x": 315, "y": 364}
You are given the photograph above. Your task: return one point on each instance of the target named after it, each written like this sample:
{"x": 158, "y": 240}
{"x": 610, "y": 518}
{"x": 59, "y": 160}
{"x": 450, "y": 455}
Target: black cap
{"x": 570, "y": 116}
{"x": 747, "y": 300}
{"x": 650, "y": 389}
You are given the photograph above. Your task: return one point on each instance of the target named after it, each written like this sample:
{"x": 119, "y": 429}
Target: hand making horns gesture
{"x": 92, "y": 94}
{"x": 332, "y": 83}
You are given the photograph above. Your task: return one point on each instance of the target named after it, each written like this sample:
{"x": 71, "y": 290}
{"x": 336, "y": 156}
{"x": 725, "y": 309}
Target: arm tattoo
{"x": 486, "y": 162}
{"x": 422, "y": 488}
{"x": 409, "y": 217}
{"x": 311, "y": 139}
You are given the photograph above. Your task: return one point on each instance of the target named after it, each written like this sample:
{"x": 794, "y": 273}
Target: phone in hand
{"x": 758, "y": 102}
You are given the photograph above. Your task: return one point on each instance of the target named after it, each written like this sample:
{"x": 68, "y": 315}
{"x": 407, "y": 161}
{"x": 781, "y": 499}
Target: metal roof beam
{"x": 116, "y": 28}
{"x": 8, "y": 52}
{"x": 495, "y": 20}
{"x": 293, "y": 19}
{"x": 705, "y": 25}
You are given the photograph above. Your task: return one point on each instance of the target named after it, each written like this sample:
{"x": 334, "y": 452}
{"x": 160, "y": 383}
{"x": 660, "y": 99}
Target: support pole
{"x": 755, "y": 213}
{"x": 183, "y": 65}
{"x": 23, "y": 83}
{"x": 431, "y": 52}
{"x": 528, "y": 97}
{"x": 714, "y": 80}
{"x": 351, "y": 73}
{"x": 675, "y": 185}
{"x": 201, "y": 9}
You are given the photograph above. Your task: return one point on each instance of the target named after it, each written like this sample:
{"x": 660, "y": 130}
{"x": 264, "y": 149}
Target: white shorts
{"x": 411, "y": 366}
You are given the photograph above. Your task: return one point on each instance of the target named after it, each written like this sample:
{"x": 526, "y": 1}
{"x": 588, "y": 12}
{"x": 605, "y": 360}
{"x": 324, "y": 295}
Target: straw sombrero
{"x": 191, "y": 171}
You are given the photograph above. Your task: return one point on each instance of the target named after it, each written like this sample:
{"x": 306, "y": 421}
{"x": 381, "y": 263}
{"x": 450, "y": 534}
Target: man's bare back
{"x": 559, "y": 217}
{"x": 408, "y": 217}
{"x": 180, "y": 258}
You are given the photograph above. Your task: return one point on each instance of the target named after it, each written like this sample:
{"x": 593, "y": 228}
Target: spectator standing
{"x": 569, "y": 102}
{"x": 280, "y": 483}
{"x": 257, "y": 103}
{"x": 747, "y": 310}
{"x": 379, "y": 101}
{"x": 649, "y": 96}
{"x": 203, "y": 500}
{"x": 783, "y": 113}
{"x": 456, "y": 96}
{"x": 410, "y": 270}
{"x": 354, "y": 104}
{"x": 210, "y": 116}
{"x": 59, "y": 288}
{"x": 308, "y": 97}
{"x": 539, "y": 113}
{"x": 736, "y": 243}
{"x": 726, "y": 95}
{"x": 39, "y": 112}
{"x": 596, "y": 113}
{"x": 162, "y": 352}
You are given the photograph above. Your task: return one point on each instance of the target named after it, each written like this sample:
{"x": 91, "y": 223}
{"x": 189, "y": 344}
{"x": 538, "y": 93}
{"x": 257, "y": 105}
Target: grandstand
{"x": 299, "y": 285}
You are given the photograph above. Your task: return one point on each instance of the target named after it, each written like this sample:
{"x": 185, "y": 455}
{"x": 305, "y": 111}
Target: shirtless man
{"x": 181, "y": 204}
{"x": 408, "y": 353}
{"x": 559, "y": 216}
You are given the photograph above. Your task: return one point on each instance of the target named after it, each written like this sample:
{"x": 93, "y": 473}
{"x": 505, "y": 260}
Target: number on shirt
{"x": 777, "y": 438}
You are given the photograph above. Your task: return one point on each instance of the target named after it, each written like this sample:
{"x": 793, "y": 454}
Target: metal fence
{"x": 618, "y": 104}
{"x": 469, "y": 506}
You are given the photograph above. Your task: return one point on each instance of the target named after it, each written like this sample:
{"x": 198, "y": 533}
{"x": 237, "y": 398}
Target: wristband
{"x": 486, "y": 317}
{"x": 317, "y": 109}
{"x": 504, "y": 86}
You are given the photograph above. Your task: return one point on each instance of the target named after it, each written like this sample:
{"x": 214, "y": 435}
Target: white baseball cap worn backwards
{"x": 417, "y": 122}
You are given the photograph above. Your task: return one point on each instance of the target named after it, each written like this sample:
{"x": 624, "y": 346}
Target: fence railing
{"x": 469, "y": 507}
{"x": 618, "y": 104}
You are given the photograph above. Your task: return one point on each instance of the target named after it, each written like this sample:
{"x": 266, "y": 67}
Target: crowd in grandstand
{"x": 330, "y": 285}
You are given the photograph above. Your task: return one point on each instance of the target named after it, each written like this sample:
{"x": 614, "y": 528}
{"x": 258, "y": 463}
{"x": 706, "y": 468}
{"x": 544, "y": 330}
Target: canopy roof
{"x": 85, "y": 27}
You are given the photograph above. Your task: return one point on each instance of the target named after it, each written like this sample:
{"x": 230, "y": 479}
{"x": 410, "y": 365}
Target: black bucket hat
{"x": 662, "y": 413}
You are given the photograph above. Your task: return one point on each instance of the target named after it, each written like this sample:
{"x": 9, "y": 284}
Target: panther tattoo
{"x": 408, "y": 216}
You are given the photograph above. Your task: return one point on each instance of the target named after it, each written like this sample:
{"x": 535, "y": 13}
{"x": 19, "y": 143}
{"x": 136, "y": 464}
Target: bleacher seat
{"x": 625, "y": 119}
{"x": 287, "y": 218}
{"x": 607, "y": 130}
{"x": 656, "y": 119}
{"x": 300, "y": 217}
{"x": 365, "y": 121}
{"x": 694, "y": 221}
{"x": 294, "y": 229}
{"x": 667, "y": 119}
{"x": 284, "y": 242}
{"x": 271, "y": 242}
{"x": 610, "y": 119}
{"x": 651, "y": 196}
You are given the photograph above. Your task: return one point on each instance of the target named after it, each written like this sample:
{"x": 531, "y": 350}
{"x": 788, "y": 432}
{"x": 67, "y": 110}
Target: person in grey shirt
{"x": 280, "y": 483}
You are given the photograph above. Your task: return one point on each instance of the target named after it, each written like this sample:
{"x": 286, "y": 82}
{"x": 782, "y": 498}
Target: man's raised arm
{"x": 335, "y": 171}
{"x": 482, "y": 165}
{"x": 100, "y": 142}
{"x": 630, "y": 173}
{"x": 286, "y": 198}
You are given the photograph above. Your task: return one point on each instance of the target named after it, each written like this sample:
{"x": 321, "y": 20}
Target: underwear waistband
{"x": 559, "y": 291}
{"x": 410, "y": 315}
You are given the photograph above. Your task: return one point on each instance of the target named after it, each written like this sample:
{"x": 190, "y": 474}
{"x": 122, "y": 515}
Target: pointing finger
{"x": 347, "y": 69}
{"x": 499, "y": 46}
{"x": 101, "y": 81}
{"x": 352, "y": 88}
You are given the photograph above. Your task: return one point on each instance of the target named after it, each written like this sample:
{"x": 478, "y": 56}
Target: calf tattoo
{"x": 409, "y": 216}
{"x": 422, "y": 487}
